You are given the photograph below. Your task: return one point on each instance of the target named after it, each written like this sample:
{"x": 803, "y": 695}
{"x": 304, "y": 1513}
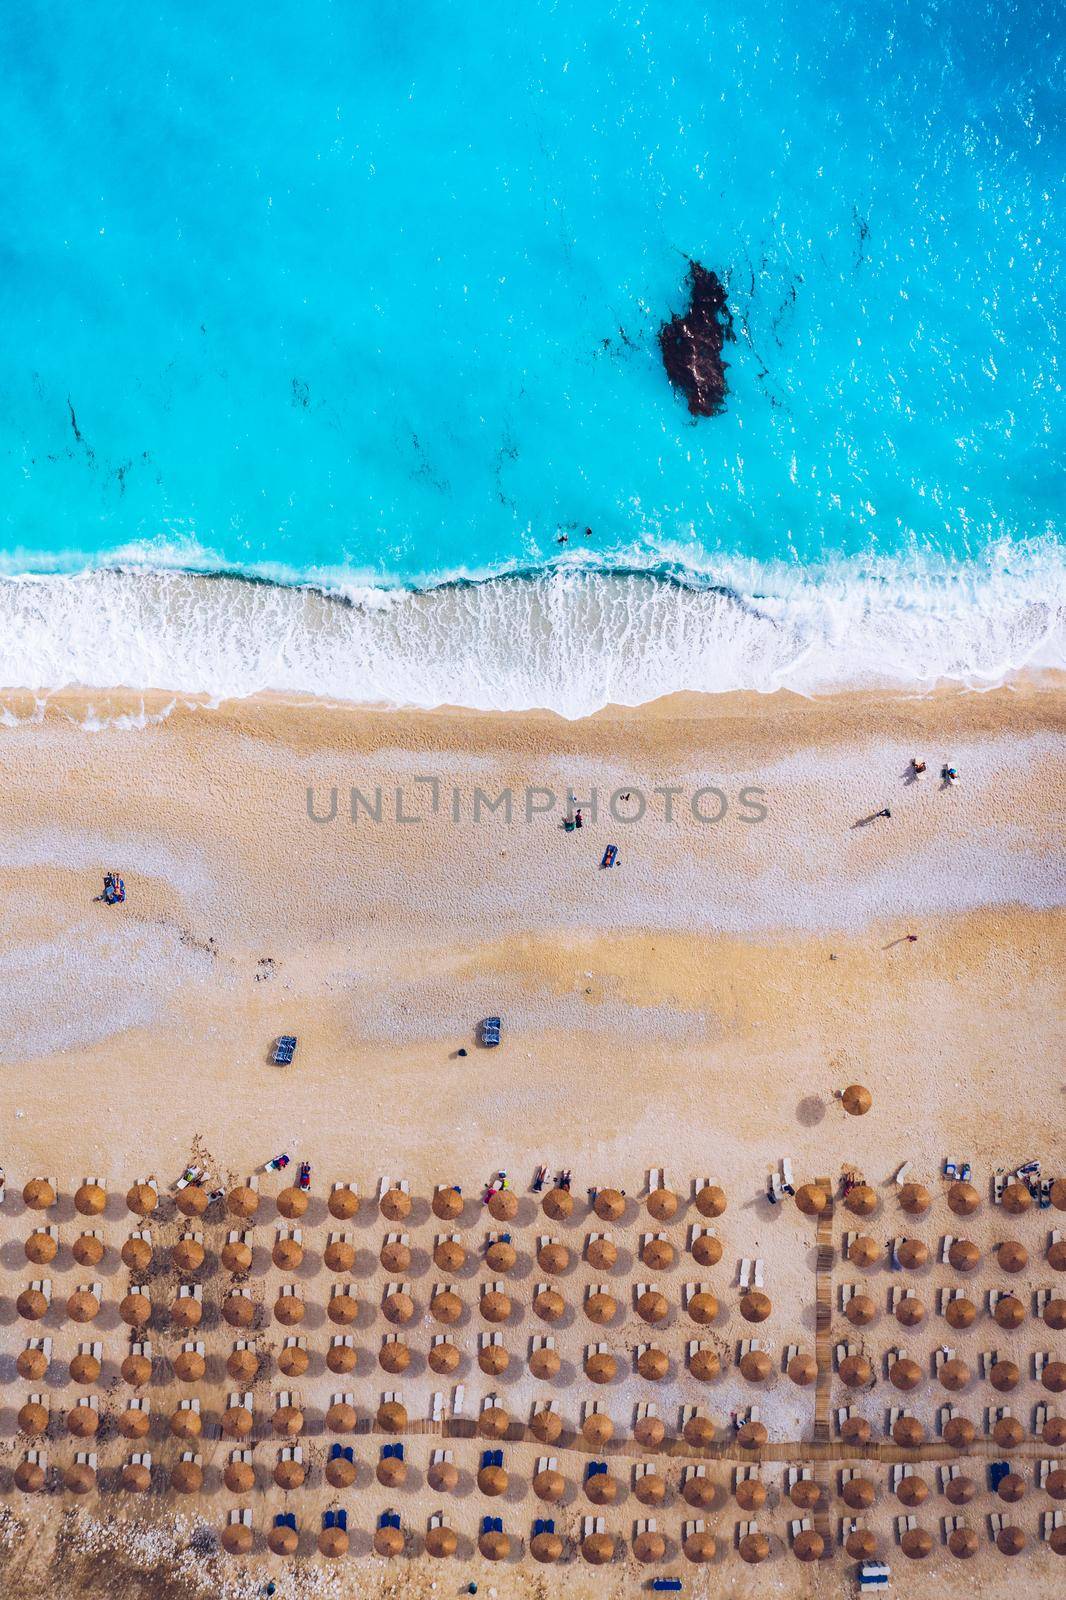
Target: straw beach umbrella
{"x": 959, "y": 1432}
{"x": 501, "y": 1256}
{"x": 32, "y": 1363}
{"x": 856, "y": 1100}
{"x": 916, "y": 1543}
{"x": 662, "y": 1204}
{"x": 864, "y": 1251}
{"x": 803, "y": 1369}
{"x": 704, "y": 1364}
{"x": 860, "y": 1310}
{"x": 811, "y": 1199}
{"x": 503, "y": 1205}
{"x": 142, "y": 1199}
{"x": 447, "y": 1204}
{"x": 192, "y": 1201}
{"x": 912, "y": 1253}
{"x": 711, "y": 1201}
{"x": 137, "y": 1254}
{"x": 441, "y": 1541}
{"x": 544, "y": 1362}
{"x": 90, "y": 1199}
{"x": 707, "y": 1249}
{"x": 292, "y": 1203}
{"x": 343, "y": 1203}
{"x": 1009, "y": 1312}
{"x": 700, "y": 1547}
{"x": 394, "y": 1356}
{"x": 558, "y": 1204}
{"x": 1004, "y": 1375}
{"x": 1016, "y": 1199}
{"x": 962, "y": 1542}
{"x": 236, "y": 1255}
{"x": 650, "y": 1489}
{"x": 755, "y": 1306}
{"x": 136, "y": 1370}
{"x": 31, "y": 1304}
{"x": 963, "y": 1255}
{"x": 609, "y": 1205}
{"x": 1012, "y": 1256}
{"x": 861, "y": 1544}
{"x": 861, "y": 1200}
{"x": 38, "y": 1195}
{"x": 88, "y": 1250}
{"x": 545, "y": 1547}
{"x": 908, "y": 1432}
{"x": 40, "y": 1248}
{"x": 448, "y": 1255}
{"x": 914, "y": 1198}
{"x": 602, "y": 1253}
{"x": 242, "y": 1202}
{"x": 963, "y": 1199}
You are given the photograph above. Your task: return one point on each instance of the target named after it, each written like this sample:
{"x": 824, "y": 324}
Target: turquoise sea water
{"x": 368, "y": 297}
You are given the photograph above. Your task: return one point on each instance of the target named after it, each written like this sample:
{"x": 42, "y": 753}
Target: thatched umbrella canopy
{"x": 137, "y": 1255}
{"x": 954, "y": 1374}
{"x": 1055, "y": 1483}
{"x": 39, "y": 1195}
{"x": 549, "y": 1305}
{"x": 702, "y": 1307}
{"x": 287, "y": 1254}
{"x": 236, "y": 1422}
{"x": 186, "y": 1312}
{"x": 811, "y": 1199}
{"x": 289, "y": 1309}
{"x": 493, "y": 1360}
{"x": 905, "y": 1373}
{"x": 186, "y": 1424}
{"x": 859, "y": 1493}
{"x": 1053, "y": 1377}
{"x": 32, "y": 1363}
{"x": 864, "y": 1251}
{"x": 1011, "y": 1487}
{"x": 598, "y": 1548}
{"x": 1054, "y": 1431}
{"x": 1010, "y": 1541}
{"x": 860, "y": 1310}
{"x": 963, "y": 1199}
{"x": 601, "y": 1307}
{"x": 711, "y": 1201}
{"x": 343, "y": 1203}
{"x": 292, "y": 1203}
{"x": 390, "y": 1472}
{"x": 90, "y": 1199}
{"x": 962, "y": 1542}
{"x": 699, "y": 1493}
{"x": 916, "y": 1543}
{"x": 392, "y": 1416}
{"x": 441, "y": 1541}
{"x": 963, "y": 1255}
{"x": 602, "y": 1254}
{"x": 501, "y": 1256}
{"x": 493, "y": 1422}
{"x": 1009, "y": 1312}
{"x": 544, "y": 1362}
{"x": 597, "y": 1429}
{"x": 187, "y": 1477}
{"x": 908, "y": 1432}
{"x": 135, "y": 1477}
{"x": 652, "y": 1306}
{"x": 909, "y": 1311}
{"x": 1016, "y": 1199}
{"x": 341, "y": 1417}
{"x": 861, "y": 1200}
{"x": 448, "y": 1255}
{"x": 1008, "y": 1433}
{"x": 136, "y": 1370}
{"x": 1057, "y": 1540}
{"x": 649, "y": 1547}
{"x": 287, "y": 1421}
{"x": 855, "y": 1430}
{"x": 861, "y": 1544}
{"x": 609, "y": 1205}
{"x": 755, "y": 1306}
{"x": 242, "y": 1202}
{"x": 960, "y": 1491}
{"x": 912, "y": 1253}
{"x": 135, "y": 1309}
{"x": 82, "y": 1421}
{"x": 447, "y": 1203}
{"x": 493, "y": 1481}
{"x": 1012, "y": 1256}
{"x": 340, "y": 1473}
{"x": 41, "y": 1248}
{"x": 707, "y": 1249}
{"x": 959, "y": 1432}
{"x": 290, "y": 1474}
{"x": 236, "y": 1255}
{"x": 1004, "y": 1375}
{"x": 699, "y": 1547}
{"x": 855, "y": 1371}
{"x": 192, "y": 1201}
{"x": 394, "y": 1356}
{"x": 398, "y": 1307}
{"x": 87, "y": 1250}
{"x": 546, "y": 1426}
{"x": 442, "y": 1476}
{"x": 856, "y": 1100}
{"x": 238, "y": 1310}
{"x": 558, "y": 1204}
{"x": 653, "y": 1364}
{"x": 443, "y": 1358}
{"x": 601, "y": 1367}
{"x": 914, "y": 1198}
{"x": 333, "y": 1542}
{"x": 649, "y": 1431}
{"x": 1058, "y": 1194}
{"x": 553, "y": 1257}
{"x": 189, "y": 1366}
{"x": 239, "y": 1477}
{"x": 83, "y": 1306}
{"x": 79, "y": 1478}
{"x": 699, "y": 1431}
{"x": 31, "y": 1304}
{"x": 283, "y": 1541}
{"x": 187, "y": 1254}
{"x": 142, "y": 1199}
{"x": 549, "y": 1485}
{"x": 662, "y": 1204}
{"x": 808, "y": 1545}
{"x": 134, "y": 1423}
{"x": 503, "y": 1205}
{"x": 394, "y": 1255}
{"x": 29, "y": 1477}
{"x": 389, "y": 1541}
{"x": 658, "y": 1254}
{"x": 495, "y": 1305}
{"x": 650, "y": 1489}
{"x": 752, "y": 1435}
{"x": 960, "y": 1312}
{"x": 343, "y": 1308}
{"x": 293, "y": 1360}
{"x": 805, "y": 1493}
{"x": 545, "y": 1547}
{"x": 756, "y": 1366}
{"x": 912, "y": 1490}
{"x": 1054, "y": 1314}
{"x": 704, "y": 1364}
{"x": 803, "y": 1369}
{"x": 750, "y": 1494}
{"x": 494, "y": 1546}
{"x": 33, "y": 1419}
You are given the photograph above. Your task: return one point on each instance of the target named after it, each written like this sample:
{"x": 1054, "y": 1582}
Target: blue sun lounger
{"x": 490, "y": 1032}
{"x": 284, "y": 1050}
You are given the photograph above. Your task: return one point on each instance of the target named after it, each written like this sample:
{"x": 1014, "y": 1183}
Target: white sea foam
{"x": 570, "y": 639}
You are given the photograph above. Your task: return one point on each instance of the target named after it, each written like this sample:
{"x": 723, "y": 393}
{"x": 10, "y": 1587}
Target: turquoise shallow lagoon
{"x": 367, "y": 298}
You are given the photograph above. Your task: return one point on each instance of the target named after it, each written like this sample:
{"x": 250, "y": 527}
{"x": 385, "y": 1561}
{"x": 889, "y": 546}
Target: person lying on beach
{"x": 918, "y": 766}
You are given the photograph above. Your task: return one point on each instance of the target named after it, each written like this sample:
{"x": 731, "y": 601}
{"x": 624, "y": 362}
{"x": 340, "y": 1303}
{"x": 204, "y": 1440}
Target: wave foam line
{"x": 568, "y": 640}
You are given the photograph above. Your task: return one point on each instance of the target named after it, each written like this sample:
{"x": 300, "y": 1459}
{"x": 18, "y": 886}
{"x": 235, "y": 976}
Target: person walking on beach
{"x": 578, "y": 821}
{"x": 885, "y": 813}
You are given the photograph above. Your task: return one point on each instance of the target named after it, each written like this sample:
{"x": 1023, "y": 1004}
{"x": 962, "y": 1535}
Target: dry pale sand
{"x": 693, "y": 1009}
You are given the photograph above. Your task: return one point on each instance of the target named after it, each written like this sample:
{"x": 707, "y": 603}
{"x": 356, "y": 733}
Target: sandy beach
{"x": 695, "y": 1009}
